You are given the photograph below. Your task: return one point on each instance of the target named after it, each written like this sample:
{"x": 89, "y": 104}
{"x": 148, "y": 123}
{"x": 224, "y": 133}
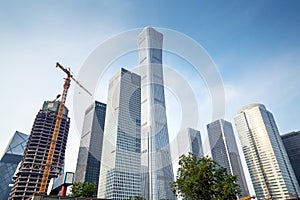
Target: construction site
{"x": 45, "y": 151}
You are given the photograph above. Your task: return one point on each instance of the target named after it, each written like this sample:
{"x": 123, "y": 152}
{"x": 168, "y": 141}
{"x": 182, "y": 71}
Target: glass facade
{"x": 291, "y": 142}
{"x": 90, "y": 150}
{"x": 157, "y": 172}
{"x": 269, "y": 167}
{"x": 189, "y": 140}
{"x": 29, "y": 175}
{"x": 224, "y": 150}
{"x": 9, "y": 162}
{"x": 120, "y": 171}
{"x": 196, "y": 143}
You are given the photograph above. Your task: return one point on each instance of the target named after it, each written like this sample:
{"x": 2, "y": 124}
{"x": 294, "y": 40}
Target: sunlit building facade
{"x": 157, "y": 172}
{"x": 10, "y": 161}
{"x": 224, "y": 150}
{"x": 120, "y": 171}
{"x": 90, "y": 150}
{"x": 269, "y": 167}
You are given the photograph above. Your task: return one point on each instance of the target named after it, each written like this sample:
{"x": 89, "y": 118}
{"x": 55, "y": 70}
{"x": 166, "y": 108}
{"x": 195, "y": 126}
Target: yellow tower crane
{"x": 47, "y": 169}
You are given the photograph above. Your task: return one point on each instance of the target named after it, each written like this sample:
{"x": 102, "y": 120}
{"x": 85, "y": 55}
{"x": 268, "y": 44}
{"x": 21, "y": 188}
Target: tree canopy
{"x": 137, "y": 198}
{"x": 83, "y": 189}
{"x": 204, "y": 179}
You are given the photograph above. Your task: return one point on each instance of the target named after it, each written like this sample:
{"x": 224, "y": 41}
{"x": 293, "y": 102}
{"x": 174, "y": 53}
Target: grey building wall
{"x": 90, "y": 150}
{"x": 291, "y": 142}
{"x": 9, "y": 162}
{"x": 189, "y": 140}
{"x": 224, "y": 150}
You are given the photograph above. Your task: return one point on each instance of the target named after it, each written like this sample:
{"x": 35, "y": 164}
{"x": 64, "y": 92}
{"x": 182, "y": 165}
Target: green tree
{"x": 204, "y": 179}
{"x": 83, "y": 189}
{"x": 137, "y": 198}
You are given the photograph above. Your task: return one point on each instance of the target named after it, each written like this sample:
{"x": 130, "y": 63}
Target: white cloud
{"x": 274, "y": 83}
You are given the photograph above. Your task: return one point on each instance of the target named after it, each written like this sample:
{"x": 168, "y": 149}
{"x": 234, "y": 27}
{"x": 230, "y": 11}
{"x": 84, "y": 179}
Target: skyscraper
{"x": 120, "y": 171}
{"x": 270, "y": 170}
{"x": 30, "y": 173}
{"x": 291, "y": 142}
{"x": 224, "y": 150}
{"x": 9, "y": 162}
{"x": 157, "y": 172}
{"x": 89, "y": 155}
{"x": 189, "y": 140}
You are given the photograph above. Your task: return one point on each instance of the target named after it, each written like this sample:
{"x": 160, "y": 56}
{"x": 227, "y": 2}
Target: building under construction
{"x": 30, "y": 173}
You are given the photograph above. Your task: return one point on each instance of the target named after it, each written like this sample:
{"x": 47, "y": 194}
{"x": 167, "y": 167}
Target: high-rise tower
{"x": 224, "y": 150}
{"x": 120, "y": 171}
{"x": 156, "y": 157}
{"x": 30, "y": 173}
{"x": 189, "y": 140}
{"x": 291, "y": 142}
{"x": 269, "y": 167}
{"x": 89, "y": 155}
{"x": 9, "y": 162}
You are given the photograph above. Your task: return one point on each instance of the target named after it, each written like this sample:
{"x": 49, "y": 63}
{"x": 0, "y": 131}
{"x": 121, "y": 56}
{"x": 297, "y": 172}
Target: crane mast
{"x": 47, "y": 169}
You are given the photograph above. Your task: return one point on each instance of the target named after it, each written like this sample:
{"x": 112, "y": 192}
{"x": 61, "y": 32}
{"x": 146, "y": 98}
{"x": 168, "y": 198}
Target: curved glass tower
{"x": 269, "y": 167}
{"x": 157, "y": 172}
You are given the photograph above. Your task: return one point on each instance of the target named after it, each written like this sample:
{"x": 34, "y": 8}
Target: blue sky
{"x": 254, "y": 44}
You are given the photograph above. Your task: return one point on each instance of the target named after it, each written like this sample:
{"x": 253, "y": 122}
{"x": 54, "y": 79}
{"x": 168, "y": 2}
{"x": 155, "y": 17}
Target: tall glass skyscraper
{"x": 189, "y": 140}
{"x": 89, "y": 155}
{"x": 157, "y": 172}
{"x": 29, "y": 175}
{"x": 9, "y": 162}
{"x": 291, "y": 142}
{"x": 270, "y": 169}
{"x": 120, "y": 171}
{"x": 224, "y": 150}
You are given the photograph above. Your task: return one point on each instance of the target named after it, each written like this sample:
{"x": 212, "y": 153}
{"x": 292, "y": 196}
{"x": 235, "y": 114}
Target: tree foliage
{"x": 83, "y": 189}
{"x": 137, "y": 198}
{"x": 204, "y": 179}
